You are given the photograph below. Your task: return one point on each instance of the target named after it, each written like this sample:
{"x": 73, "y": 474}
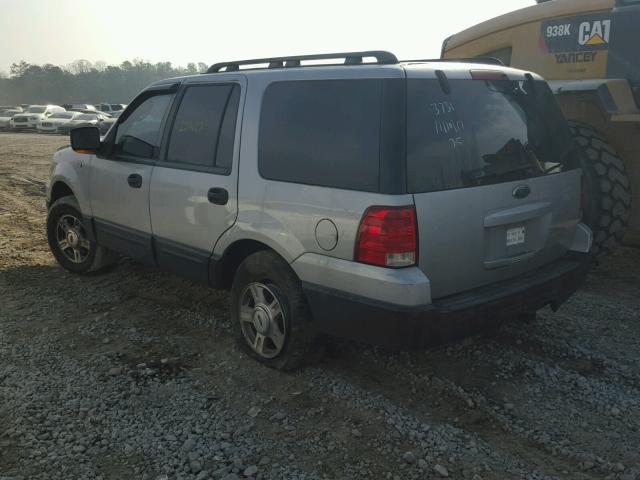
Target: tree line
{"x": 84, "y": 82}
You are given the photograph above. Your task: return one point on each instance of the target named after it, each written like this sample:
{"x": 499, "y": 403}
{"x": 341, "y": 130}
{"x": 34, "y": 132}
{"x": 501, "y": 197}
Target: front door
{"x": 193, "y": 197}
{"x": 119, "y": 182}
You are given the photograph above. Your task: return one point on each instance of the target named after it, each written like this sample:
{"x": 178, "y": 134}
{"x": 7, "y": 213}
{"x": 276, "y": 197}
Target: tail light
{"x": 388, "y": 237}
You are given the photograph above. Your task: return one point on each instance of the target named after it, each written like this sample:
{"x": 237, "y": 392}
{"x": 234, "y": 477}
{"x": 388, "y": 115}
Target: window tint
{"x": 322, "y": 133}
{"x": 483, "y": 132}
{"x": 204, "y": 125}
{"x": 139, "y": 134}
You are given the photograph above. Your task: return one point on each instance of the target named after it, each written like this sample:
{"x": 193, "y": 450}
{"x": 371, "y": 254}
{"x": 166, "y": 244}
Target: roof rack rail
{"x": 484, "y": 60}
{"x": 350, "y": 58}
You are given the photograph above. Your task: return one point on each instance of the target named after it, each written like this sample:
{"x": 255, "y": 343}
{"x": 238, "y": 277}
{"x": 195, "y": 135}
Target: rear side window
{"x": 204, "y": 127}
{"x": 324, "y": 132}
{"x": 483, "y": 132}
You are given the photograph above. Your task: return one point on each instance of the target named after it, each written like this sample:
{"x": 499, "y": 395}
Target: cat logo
{"x": 594, "y": 33}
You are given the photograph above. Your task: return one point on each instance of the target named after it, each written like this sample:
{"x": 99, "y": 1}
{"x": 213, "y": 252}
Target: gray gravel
{"x": 133, "y": 374}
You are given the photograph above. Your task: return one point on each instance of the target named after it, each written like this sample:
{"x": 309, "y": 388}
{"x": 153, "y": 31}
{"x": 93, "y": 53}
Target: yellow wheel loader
{"x": 585, "y": 49}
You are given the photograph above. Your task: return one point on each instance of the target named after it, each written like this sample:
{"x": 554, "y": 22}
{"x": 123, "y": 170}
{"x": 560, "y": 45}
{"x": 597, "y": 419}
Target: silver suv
{"x": 364, "y": 197}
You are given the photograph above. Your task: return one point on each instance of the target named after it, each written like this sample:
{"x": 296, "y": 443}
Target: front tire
{"x": 608, "y": 189}
{"x": 269, "y": 313}
{"x": 67, "y": 234}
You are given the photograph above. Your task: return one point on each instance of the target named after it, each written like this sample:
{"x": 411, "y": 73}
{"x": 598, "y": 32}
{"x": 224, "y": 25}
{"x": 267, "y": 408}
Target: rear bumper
{"x": 378, "y": 322}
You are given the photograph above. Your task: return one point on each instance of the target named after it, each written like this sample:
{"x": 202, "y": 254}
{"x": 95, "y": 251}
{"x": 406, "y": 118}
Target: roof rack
{"x": 483, "y": 60}
{"x": 350, "y": 58}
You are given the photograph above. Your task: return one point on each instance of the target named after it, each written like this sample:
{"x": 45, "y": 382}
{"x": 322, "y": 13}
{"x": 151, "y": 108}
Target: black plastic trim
{"x": 127, "y": 241}
{"x": 445, "y": 319}
{"x": 188, "y": 262}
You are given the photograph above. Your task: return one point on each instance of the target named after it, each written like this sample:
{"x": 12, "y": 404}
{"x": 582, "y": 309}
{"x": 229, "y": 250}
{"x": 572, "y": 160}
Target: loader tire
{"x": 607, "y": 205}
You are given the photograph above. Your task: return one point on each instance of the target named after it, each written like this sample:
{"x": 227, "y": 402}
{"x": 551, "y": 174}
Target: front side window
{"x": 203, "y": 131}
{"x": 139, "y": 135}
{"x": 323, "y": 133}
{"x": 483, "y": 132}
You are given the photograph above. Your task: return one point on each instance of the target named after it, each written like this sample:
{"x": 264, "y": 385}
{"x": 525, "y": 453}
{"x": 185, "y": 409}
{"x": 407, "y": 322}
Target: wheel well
{"x": 59, "y": 190}
{"x": 233, "y": 256}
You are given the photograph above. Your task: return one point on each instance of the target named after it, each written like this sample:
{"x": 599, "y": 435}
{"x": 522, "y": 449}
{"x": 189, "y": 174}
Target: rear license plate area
{"x": 516, "y": 236}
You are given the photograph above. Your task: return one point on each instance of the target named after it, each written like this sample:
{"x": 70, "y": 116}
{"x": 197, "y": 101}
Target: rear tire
{"x": 608, "y": 189}
{"x": 269, "y": 313}
{"x": 68, "y": 240}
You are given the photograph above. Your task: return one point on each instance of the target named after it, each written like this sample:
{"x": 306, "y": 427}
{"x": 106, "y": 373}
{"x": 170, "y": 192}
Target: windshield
{"x": 483, "y": 132}
{"x": 36, "y": 109}
{"x": 86, "y": 116}
{"x": 62, "y": 115}
{"x": 7, "y": 114}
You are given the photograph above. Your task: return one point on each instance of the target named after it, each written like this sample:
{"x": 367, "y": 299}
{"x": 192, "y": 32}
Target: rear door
{"x": 193, "y": 197}
{"x": 494, "y": 174}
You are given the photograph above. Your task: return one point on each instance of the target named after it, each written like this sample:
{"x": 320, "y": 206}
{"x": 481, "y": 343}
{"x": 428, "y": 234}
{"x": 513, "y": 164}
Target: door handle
{"x": 134, "y": 180}
{"x": 219, "y": 196}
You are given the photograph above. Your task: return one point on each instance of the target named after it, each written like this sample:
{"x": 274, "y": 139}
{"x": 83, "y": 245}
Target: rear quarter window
{"x": 324, "y": 132}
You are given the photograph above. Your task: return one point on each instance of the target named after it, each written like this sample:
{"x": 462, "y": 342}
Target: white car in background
{"x": 51, "y": 124}
{"x": 33, "y": 116}
{"x": 5, "y": 118}
{"x": 82, "y": 120}
{"x": 111, "y": 107}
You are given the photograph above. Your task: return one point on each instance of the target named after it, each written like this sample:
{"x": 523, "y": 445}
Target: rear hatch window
{"x": 483, "y": 132}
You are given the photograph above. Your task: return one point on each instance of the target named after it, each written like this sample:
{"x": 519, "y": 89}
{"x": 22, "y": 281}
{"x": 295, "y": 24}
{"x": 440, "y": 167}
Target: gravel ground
{"x": 134, "y": 374}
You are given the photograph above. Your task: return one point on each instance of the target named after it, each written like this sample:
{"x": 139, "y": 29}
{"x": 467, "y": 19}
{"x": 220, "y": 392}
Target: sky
{"x": 182, "y": 31}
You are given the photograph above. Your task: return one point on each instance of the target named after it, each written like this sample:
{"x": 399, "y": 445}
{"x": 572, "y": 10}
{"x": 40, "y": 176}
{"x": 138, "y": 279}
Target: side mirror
{"x": 85, "y": 140}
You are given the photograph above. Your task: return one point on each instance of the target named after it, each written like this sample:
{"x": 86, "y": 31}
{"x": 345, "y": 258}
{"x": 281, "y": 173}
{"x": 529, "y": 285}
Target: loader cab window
{"x": 502, "y": 54}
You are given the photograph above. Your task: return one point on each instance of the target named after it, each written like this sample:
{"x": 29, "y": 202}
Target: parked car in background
{"x": 51, "y": 124}
{"x": 82, "y": 120}
{"x": 5, "y": 118}
{"x": 102, "y": 115}
{"x": 10, "y": 107}
{"x": 33, "y": 116}
{"x": 106, "y": 124}
{"x": 111, "y": 107}
{"x": 79, "y": 106}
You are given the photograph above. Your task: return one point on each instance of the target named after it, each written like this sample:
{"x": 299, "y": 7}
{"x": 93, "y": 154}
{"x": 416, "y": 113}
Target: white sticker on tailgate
{"x": 515, "y": 236}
